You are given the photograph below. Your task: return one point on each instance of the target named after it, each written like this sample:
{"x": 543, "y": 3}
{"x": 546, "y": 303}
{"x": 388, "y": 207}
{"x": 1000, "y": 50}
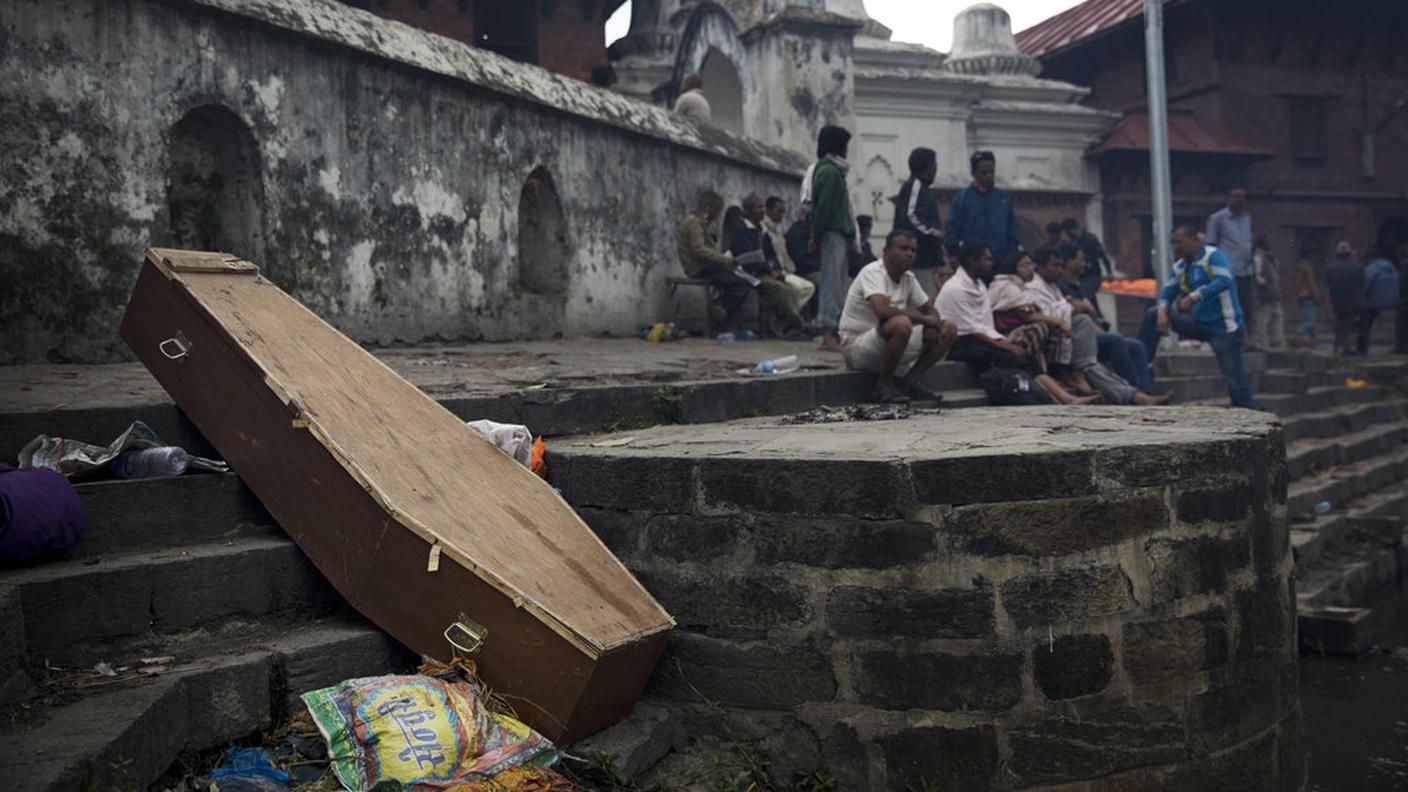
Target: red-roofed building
{"x": 1273, "y": 95}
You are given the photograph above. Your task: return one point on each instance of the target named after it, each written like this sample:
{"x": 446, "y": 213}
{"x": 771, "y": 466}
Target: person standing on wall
{"x": 982, "y": 212}
{"x": 1199, "y": 301}
{"x": 833, "y": 229}
{"x": 917, "y": 211}
{"x": 1270, "y": 316}
{"x": 1381, "y": 284}
{"x": 1229, "y": 229}
{"x": 692, "y": 102}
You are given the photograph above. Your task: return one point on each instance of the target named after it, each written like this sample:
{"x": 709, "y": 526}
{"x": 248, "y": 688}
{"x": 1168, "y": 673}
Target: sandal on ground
{"x": 887, "y": 394}
{"x": 920, "y": 393}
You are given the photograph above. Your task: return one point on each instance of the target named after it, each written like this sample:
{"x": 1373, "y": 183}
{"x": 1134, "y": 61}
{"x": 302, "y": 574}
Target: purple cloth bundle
{"x": 40, "y": 512}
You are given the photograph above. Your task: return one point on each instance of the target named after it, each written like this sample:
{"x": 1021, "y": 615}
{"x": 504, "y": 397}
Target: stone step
{"x": 1297, "y": 380}
{"x": 1334, "y": 630}
{"x": 1310, "y": 538}
{"x": 1192, "y": 389}
{"x": 1319, "y": 399}
{"x": 124, "y": 734}
{"x": 1304, "y": 457}
{"x": 1345, "y": 483}
{"x": 1350, "y": 576}
{"x": 1305, "y": 361}
{"x": 549, "y": 412}
{"x": 1202, "y": 363}
{"x": 1343, "y": 419}
{"x": 81, "y": 610}
{"x": 196, "y": 508}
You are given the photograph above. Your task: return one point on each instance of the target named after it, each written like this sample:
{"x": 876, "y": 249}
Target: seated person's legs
{"x": 729, "y": 291}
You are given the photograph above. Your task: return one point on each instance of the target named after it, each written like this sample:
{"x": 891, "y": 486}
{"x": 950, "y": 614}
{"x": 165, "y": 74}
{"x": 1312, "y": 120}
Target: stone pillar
{"x": 983, "y": 44}
{"x": 806, "y": 56}
{"x": 644, "y": 59}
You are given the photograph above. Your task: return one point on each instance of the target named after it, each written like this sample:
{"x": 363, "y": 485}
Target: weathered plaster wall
{"x": 390, "y": 164}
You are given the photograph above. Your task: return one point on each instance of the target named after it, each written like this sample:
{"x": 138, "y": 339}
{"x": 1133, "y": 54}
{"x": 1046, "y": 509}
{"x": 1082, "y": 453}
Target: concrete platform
{"x": 991, "y": 598}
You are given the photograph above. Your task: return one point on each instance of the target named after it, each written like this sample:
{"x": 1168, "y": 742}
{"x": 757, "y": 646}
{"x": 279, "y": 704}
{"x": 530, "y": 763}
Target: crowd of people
{"x": 965, "y": 289}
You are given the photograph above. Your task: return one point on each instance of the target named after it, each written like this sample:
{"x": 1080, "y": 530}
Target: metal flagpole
{"x": 1158, "y": 137}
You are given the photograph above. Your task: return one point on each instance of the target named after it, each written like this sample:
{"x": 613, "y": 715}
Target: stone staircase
{"x": 191, "y": 568}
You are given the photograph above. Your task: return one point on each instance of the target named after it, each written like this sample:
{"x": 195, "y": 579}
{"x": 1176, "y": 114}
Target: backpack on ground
{"x": 1007, "y": 386}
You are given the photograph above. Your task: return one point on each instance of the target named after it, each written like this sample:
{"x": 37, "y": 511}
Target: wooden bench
{"x": 750, "y": 312}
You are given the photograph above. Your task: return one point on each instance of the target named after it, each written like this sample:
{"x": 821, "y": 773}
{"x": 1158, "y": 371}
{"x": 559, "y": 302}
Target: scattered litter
{"x": 512, "y": 439}
{"x": 146, "y": 463}
{"x": 539, "y": 386}
{"x": 73, "y": 457}
{"x": 854, "y": 412}
{"x": 661, "y": 332}
{"x": 105, "y": 669}
{"x": 1323, "y": 507}
{"x": 432, "y": 564}
{"x": 1355, "y": 382}
{"x": 248, "y": 770}
{"x": 538, "y": 458}
{"x": 153, "y": 670}
{"x": 164, "y": 659}
{"x": 783, "y": 365}
{"x": 419, "y": 730}
{"x": 615, "y": 442}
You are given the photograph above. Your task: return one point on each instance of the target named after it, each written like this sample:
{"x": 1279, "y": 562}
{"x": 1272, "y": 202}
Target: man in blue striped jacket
{"x": 1200, "y": 302}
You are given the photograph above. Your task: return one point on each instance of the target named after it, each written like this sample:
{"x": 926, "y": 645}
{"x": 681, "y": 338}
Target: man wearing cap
{"x": 982, "y": 212}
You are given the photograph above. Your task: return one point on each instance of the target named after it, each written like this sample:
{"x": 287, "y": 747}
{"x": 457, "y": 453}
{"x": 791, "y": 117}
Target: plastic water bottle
{"x": 1323, "y": 507}
{"x": 777, "y": 365}
{"x": 745, "y": 335}
{"x": 724, "y": 338}
{"x": 143, "y": 463}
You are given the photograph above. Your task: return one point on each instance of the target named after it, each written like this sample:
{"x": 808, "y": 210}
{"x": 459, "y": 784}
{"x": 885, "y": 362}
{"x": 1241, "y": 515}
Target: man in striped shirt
{"x": 1200, "y": 302}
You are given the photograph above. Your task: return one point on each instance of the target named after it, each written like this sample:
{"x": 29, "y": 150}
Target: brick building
{"x": 1299, "y": 102}
{"x": 565, "y": 36}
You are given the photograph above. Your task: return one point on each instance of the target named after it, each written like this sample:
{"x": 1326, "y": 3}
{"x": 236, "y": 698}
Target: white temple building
{"x": 778, "y": 70}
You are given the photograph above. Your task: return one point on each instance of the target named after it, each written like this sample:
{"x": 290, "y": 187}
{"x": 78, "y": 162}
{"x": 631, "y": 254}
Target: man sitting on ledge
{"x": 1200, "y": 301}
{"x": 696, "y": 245}
{"x": 889, "y": 325}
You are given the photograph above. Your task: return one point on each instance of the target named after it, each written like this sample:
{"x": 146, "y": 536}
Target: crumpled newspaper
{"x": 74, "y": 457}
{"x": 512, "y": 439}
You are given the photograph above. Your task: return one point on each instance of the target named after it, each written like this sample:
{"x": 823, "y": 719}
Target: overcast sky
{"x": 928, "y": 22}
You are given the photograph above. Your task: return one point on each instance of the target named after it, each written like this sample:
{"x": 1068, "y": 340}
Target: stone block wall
{"x": 1085, "y": 599}
{"x": 404, "y": 186}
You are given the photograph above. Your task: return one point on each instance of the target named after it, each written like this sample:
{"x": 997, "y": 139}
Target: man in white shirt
{"x": 889, "y": 326}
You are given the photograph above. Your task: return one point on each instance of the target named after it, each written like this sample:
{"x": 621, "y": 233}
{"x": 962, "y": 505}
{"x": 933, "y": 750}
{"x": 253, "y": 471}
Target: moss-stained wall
{"x": 389, "y": 167}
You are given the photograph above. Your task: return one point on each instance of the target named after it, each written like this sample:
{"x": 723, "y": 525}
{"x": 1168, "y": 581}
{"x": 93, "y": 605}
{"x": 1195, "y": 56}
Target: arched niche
{"x": 214, "y": 189}
{"x": 543, "y": 250}
{"x": 724, "y": 90}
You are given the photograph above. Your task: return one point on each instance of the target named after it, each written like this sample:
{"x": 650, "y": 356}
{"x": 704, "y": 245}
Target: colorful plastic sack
{"x": 426, "y": 733}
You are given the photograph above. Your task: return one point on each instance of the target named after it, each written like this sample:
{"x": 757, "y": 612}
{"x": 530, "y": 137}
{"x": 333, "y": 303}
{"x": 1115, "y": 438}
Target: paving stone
{"x": 748, "y": 674}
{"x": 1047, "y": 598}
{"x": 1249, "y": 767}
{"x": 935, "y": 757}
{"x": 732, "y": 606}
{"x": 1225, "y": 503}
{"x": 870, "y": 488}
{"x": 636, "y": 743}
{"x": 1015, "y": 476}
{"x": 903, "y": 679}
{"x": 1187, "y": 567}
{"x": 841, "y": 544}
{"x": 1070, "y": 666}
{"x": 1157, "y": 653}
{"x": 1057, "y": 527}
{"x": 1059, "y": 749}
{"x": 864, "y": 612}
{"x": 689, "y": 537}
{"x": 625, "y": 482}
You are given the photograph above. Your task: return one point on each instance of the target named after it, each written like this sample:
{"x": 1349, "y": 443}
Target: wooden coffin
{"x": 426, "y": 528}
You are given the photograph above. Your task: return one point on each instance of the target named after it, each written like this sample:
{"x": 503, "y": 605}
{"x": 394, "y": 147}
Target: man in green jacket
{"x": 698, "y": 249}
{"x": 833, "y": 229}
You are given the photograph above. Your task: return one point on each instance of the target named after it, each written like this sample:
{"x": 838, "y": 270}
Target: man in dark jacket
{"x": 807, "y": 262}
{"x": 917, "y": 211}
{"x": 982, "y": 212}
{"x": 753, "y": 251}
{"x": 1345, "y": 281}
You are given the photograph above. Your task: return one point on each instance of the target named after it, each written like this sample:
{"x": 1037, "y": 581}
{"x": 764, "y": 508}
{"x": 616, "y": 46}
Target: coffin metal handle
{"x": 176, "y": 347}
{"x": 466, "y": 635}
